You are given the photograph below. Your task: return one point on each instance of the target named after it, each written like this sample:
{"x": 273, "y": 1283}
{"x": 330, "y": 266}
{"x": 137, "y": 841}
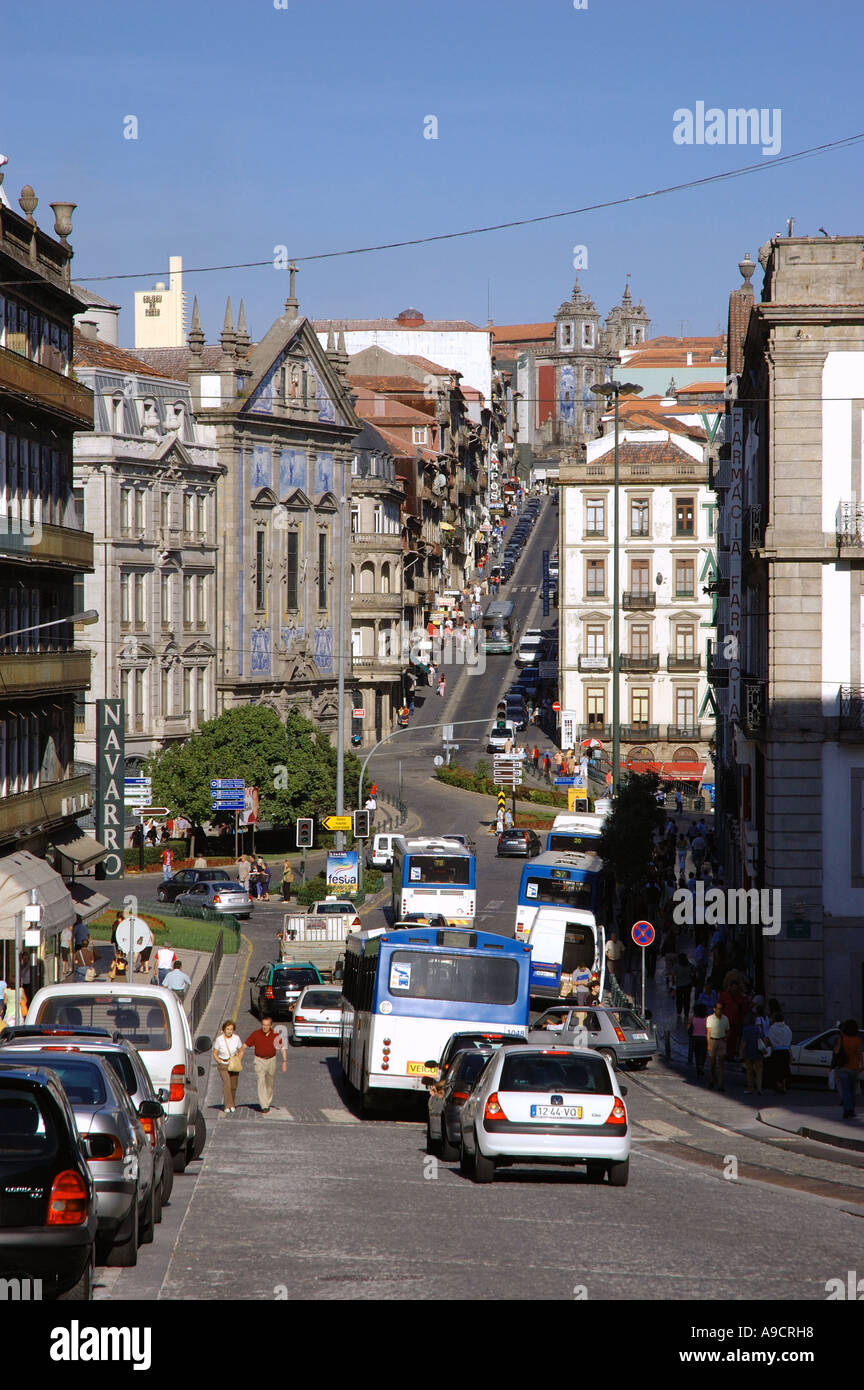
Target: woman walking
{"x": 698, "y": 1036}
{"x": 752, "y": 1045}
{"x": 287, "y": 880}
{"x": 228, "y": 1054}
{"x": 847, "y": 1064}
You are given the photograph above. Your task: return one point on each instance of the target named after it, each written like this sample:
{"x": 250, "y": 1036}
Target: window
{"x": 587, "y": 335}
{"x": 355, "y": 520}
{"x": 595, "y": 516}
{"x": 685, "y": 642}
{"x": 685, "y": 708}
{"x": 165, "y": 684}
{"x": 639, "y": 516}
{"x": 188, "y": 601}
{"x": 165, "y": 510}
{"x": 587, "y": 420}
{"x": 419, "y": 434}
{"x": 165, "y": 599}
{"x": 138, "y": 677}
{"x": 322, "y": 570}
{"x": 292, "y": 542}
{"x": 201, "y": 509}
{"x": 187, "y": 690}
{"x": 595, "y": 707}
{"x": 201, "y": 600}
{"x": 640, "y": 640}
{"x": 140, "y": 610}
{"x": 367, "y": 578}
{"x": 125, "y": 609}
{"x": 475, "y": 979}
{"x": 684, "y": 516}
{"x": 385, "y": 578}
{"x": 595, "y": 639}
{"x": 188, "y": 513}
{"x": 595, "y": 578}
{"x": 259, "y": 569}
{"x": 138, "y": 524}
{"x": 639, "y": 578}
{"x": 640, "y": 705}
{"x": 379, "y": 519}
{"x": 116, "y": 414}
{"x": 566, "y": 335}
{"x": 126, "y": 510}
{"x": 684, "y": 578}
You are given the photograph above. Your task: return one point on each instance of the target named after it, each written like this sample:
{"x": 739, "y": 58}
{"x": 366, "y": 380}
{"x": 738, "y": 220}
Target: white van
{"x": 561, "y": 940}
{"x": 380, "y": 853}
{"x": 530, "y": 649}
{"x": 500, "y": 735}
{"x": 152, "y": 1019}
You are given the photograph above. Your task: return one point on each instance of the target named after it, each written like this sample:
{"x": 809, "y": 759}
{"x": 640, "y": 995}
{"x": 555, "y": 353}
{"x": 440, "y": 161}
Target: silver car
{"x": 118, "y": 1149}
{"x": 317, "y": 1015}
{"x": 227, "y": 896}
{"x": 620, "y": 1034}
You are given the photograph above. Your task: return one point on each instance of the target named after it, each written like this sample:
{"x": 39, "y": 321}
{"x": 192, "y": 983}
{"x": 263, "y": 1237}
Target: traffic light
{"x": 361, "y": 825}
{"x": 305, "y": 827}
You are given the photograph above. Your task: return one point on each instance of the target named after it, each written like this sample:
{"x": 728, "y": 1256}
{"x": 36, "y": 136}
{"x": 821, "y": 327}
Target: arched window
{"x": 685, "y": 755}
{"x": 385, "y": 578}
{"x": 367, "y": 578}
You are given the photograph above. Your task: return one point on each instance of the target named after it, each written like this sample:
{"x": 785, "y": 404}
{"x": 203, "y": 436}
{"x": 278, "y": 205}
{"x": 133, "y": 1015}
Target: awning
{"x": 82, "y": 849}
{"x": 445, "y": 526}
{"x": 88, "y": 902}
{"x": 671, "y": 772}
{"x": 21, "y": 872}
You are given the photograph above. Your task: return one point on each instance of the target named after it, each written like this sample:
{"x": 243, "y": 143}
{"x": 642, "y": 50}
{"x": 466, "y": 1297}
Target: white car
{"x": 813, "y": 1057}
{"x": 500, "y": 735}
{"x": 341, "y": 908}
{"x": 317, "y": 1015}
{"x": 551, "y": 1105}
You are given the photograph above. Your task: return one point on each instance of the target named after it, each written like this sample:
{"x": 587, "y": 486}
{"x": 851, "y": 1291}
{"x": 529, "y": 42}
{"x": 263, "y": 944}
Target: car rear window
{"x": 470, "y": 1065}
{"x": 625, "y": 1018}
{"x": 124, "y": 1070}
{"x": 293, "y": 976}
{"x": 27, "y": 1126}
{"x": 548, "y": 1072}
{"x": 82, "y": 1080}
{"x": 143, "y": 1022}
{"x": 321, "y": 999}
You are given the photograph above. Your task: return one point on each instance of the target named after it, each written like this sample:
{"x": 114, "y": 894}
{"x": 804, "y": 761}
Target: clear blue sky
{"x": 304, "y": 127}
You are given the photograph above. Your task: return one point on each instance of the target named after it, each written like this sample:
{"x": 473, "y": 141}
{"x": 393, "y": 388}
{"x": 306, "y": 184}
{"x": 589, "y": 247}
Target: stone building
{"x": 789, "y": 672}
{"x": 147, "y": 476}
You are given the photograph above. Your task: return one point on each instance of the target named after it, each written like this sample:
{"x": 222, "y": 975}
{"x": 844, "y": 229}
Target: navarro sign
{"x": 110, "y": 768}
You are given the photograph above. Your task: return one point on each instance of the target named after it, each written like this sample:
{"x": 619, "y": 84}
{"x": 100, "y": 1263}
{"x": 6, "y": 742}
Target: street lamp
{"x": 88, "y": 616}
{"x": 615, "y": 389}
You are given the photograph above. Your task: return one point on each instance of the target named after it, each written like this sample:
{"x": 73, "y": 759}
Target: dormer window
{"x": 116, "y": 407}
{"x": 566, "y": 335}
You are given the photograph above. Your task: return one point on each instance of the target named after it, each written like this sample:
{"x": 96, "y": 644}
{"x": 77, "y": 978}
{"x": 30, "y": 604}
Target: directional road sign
{"x": 227, "y": 783}
{"x": 643, "y": 933}
{"x": 337, "y": 822}
{"x": 151, "y": 811}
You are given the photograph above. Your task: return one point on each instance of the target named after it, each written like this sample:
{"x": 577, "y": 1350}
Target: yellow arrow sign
{"x": 337, "y": 822}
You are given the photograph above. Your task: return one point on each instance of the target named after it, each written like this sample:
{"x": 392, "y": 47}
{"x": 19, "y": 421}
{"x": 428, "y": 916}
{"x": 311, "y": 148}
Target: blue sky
{"x": 303, "y": 126}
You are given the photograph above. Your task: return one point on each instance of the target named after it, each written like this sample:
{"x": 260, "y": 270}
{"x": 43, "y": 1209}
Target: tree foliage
{"x": 627, "y": 842}
{"x": 293, "y": 765}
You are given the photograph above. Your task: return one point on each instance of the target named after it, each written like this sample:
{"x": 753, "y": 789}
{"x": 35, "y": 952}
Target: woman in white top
{"x": 227, "y": 1047}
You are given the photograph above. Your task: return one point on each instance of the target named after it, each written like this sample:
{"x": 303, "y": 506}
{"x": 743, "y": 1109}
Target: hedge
{"x": 462, "y": 777}
{"x": 316, "y": 889}
{"x": 182, "y": 932}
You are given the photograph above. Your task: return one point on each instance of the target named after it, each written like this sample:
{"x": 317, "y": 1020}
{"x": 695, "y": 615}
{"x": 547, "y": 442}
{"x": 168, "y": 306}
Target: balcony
{"x": 718, "y": 675}
{"x": 683, "y": 733}
{"x": 849, "y": 524}
{"x": 376, "y": 540}
{"x": 45, "y": 807}
{"x": 754, "y": 527}
{"x": 647, "y": 661}
{"x": 32, "y": 673}
{"x": 683, "y": 663}
{"x": 50, "y": 545}
{"x": 602, "y": 732}
{"x": 640, "y": 733}
{"x": 852, "y": 709}
{"x": 59, "y": 395}
{"x": 640, "y": 601}
{"x": 380, "y": 603}
{"x": 754, "y": 705}
{"x": 593, "y": 663}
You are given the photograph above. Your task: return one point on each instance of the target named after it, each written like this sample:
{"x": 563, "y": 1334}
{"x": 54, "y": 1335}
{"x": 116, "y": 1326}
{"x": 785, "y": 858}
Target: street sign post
{"x": 643, "y": 935}
{"x": 336, "y": 822}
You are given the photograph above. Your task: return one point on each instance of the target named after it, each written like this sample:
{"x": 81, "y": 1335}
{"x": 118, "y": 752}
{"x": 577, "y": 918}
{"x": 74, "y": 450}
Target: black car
{"x": 468, "y": 1042}
{"x": 186, "y": 879}
{"x": 518, "y": 844}
{"x": 443, "y": 1126}
{"x": 47, "y": 1201}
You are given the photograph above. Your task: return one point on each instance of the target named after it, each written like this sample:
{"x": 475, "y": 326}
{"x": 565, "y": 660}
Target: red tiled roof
{"x": 93, "y": 352}
{"x": 672, "y": 352}
{"x": 174, "y": 362}
{"x": 658, "y": 453}
{"x": 395, "y": 384}
{"x": 394, "y": 412}
{"x": 702, "y": 388}
{"x": 401, "y": 448}
{"x": 521, "y": 332}
{"x": 429, "y": 366}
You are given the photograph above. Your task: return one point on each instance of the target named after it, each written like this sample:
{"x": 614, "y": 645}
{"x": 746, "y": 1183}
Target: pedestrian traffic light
{"x": 305, "y": 827}
{"x": 361, "y": 825}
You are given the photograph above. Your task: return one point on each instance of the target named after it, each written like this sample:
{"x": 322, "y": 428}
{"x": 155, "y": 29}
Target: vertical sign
{"x": 733, "y": 625}
{"x": 110, "y": 768}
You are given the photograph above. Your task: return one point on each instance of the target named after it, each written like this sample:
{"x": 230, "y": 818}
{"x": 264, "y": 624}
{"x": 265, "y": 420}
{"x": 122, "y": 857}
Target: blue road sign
{"x": 643, "y": 933}
{"x": 227, "y": 784}
{"x": 564, "y": 782}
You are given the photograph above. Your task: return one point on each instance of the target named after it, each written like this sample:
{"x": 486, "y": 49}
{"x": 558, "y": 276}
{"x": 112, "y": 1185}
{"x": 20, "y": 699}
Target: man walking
{"x": 547, "y": 768}
{"x": 716, "y": 1028}
{"x": 535, "y": 761}
{"x": 265, "y": 1042}
{"x": 614, "y": 954}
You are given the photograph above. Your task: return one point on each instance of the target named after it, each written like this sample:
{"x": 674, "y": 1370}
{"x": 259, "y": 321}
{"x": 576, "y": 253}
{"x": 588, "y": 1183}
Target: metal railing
{"x": 850, "y": 523}
{"x": 633, "y": 600}
{"x": 650, "y": 661}
{"x": 201, "y": 997}
{"x": 755, "y": 708}
{"x": 852, "y": 708}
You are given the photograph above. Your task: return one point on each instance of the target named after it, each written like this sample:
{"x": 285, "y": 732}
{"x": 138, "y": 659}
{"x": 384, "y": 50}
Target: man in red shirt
{"x": 265, "y": 1042}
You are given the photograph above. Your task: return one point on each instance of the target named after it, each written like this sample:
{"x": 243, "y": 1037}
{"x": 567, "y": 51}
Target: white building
{"x": 160, "y": 313}
{"x": 463, "y": 346}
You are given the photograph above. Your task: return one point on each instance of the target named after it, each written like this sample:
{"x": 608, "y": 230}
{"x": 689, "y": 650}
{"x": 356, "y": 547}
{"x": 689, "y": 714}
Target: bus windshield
{"x": 572, "y": 840}
{"x": 439, "y": 868}
{"x": 468, "y": 979}
{"x": 560, "y": 890}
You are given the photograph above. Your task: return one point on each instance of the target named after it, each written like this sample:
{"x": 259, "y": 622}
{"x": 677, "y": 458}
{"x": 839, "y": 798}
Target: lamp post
{"x": 88, "y": 616}
{"x": 615, "y": 389}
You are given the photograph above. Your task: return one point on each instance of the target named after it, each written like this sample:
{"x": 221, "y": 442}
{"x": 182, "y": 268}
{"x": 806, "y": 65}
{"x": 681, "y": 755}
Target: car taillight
{"x": 216, "y": 898}
{"x": 177, "y": 1088}
{"x": 268, "y": 993}
{"x": 104, "y": 1148}
{"x": 493, "y": 1110}
{"x": 619, "y": 1114}
{"x": 67, "y": 1205}
{"x": 459, "y": 1095}
{"x": 619, "y": 1035}
{"x": 149, "y": 1126}
{"x": 299, "y": 1018}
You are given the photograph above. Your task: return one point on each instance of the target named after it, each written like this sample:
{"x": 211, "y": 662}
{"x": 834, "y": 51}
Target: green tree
{"x": 293, "y": 765}
{"x": 627, "y": 842}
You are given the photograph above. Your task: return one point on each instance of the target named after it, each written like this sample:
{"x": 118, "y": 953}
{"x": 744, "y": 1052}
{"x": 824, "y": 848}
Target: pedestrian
{"x": 547, "y": 768}
{"x": 698, "y": 847}
{"x": 679, "y": 802}
{"x": 265, "y": 1043}
{"x": 143, "y": 944}
{"x": 717, "y": 1028}
{"x": 177, "y": 980}
{"x": 780, "y": 1041}
{"x": 681, "y": 853}
{"x": 228, "y": 1052}
{"x": 287, "y": 880}
{"x": 432, "y": 674}
{"x": 698, "y": 1036}
{"x": 66, "y": 950}
{"x": 243, "y": 869}
{"x": 683, "y": 984}
{"x": 535, "y": 761}
{"x": 118, "y": 919}
{"x": 264, "y": 876}
{"x": 614, "y": 954}
{"x": 442, "y": 686}
{"x": 499, "y": 823}
{"x": 752, "y": 1045}
{"x": 165, "y": 961}
{"x": 508, "y": 819}
{"x": 846, "y": 1065}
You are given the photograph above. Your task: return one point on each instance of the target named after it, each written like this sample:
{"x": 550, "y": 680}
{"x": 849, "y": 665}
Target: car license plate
{"x": 421, "y": 1069}
{"x": 639, "y": 1037}
{"x": 556, "y": 1112}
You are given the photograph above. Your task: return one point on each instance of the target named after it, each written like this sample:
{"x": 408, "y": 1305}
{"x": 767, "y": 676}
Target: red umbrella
{"x": 591, "y": 743}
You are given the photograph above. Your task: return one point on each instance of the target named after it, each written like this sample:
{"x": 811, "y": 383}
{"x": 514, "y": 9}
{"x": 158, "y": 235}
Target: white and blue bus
{"x": 560, "y": 898}
{"x": 406, "y": 992}
{"x": 575, "y": 832}
{"x": 432, "y": 875}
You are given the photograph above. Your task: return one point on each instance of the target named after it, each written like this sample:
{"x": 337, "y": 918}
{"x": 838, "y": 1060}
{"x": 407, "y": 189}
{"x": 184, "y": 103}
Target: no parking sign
{"x": 642, "y": 933}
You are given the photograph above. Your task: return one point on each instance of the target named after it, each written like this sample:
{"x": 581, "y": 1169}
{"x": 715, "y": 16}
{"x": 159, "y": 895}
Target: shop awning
{"x": 82, "y": 849}
{"x": 21, "y": 872}
{"x": 670, "y": 772}
{"x": 88, "y": 902}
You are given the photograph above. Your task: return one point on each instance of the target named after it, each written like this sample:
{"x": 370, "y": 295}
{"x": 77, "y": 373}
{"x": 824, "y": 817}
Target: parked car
{"x": 560, "y": 1106}
{"x": 153, "y": 1020}
{"x": 185, "y": 879}
{"x": 620, "y": 1034}
{"x": 342, "y": 908}
{"x": 48, "y": 1212}
{"x": 117, "y": 1147}
{"x": 422, "y": 919}
{"x": 529, "y": 680}
{"x": 518, "y": 844}
{"x": 444, "y": 1118}
{"x": 516, "y": 708}
{"x": 125, "y": 1060}
{"x": 813, "y": 1056}
{"x": 278, "y": 985}
{"x": 317, "y": 1015}
{"x": 219, "y": 896}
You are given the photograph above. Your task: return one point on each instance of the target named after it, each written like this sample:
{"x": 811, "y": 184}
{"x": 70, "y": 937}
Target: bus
{"x": 558, "y": 880}
{"x": 405, "y": 993}
{"x": 434, "y": 875}
{"x": 560, "y": 901}
{"x": 500, "y": 627}
{"x": 578, "y": 832}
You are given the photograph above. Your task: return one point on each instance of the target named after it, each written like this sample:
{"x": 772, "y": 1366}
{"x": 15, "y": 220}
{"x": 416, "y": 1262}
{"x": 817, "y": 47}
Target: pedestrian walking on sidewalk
{"x": 847, "y": 1064}
{"x": 681, "y": 854}
{"x": 535, "y": 761}
{"x": 547, "y": 768}
{"x": 265, "y": 1044}
{"x": 780, "y": 1041}
{"x": 679, "y": 803}
{"x": 614, "y": 954}
{"x": 228, "y": 1052}
{"x": 698, "y": 1036}
{"x": 442, "y": 686}
{"x": 752, "y": 1044}
{"x": 717, "y": 1028}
